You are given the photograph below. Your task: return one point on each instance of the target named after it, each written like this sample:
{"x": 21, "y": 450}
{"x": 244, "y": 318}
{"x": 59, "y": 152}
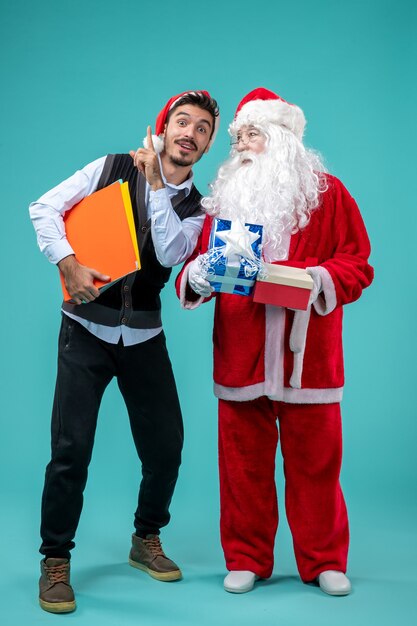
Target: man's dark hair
{"x": 201, "y": 100}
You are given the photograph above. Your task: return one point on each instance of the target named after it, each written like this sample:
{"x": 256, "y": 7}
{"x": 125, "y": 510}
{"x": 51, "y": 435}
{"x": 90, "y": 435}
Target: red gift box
{"x": 283, "y": 285}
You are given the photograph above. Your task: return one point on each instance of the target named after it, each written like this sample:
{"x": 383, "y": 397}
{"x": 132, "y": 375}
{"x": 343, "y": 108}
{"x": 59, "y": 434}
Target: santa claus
{"x": 278, "y": 373}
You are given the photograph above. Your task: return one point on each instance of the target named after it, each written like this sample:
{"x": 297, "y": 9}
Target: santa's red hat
{"x": 157, "y": 138}
{"x": 262, "y": 106}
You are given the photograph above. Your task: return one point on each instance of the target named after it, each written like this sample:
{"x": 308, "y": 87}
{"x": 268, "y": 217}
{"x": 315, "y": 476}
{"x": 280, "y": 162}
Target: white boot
{"x": 240, "y": 581}
{"x": 334, "y": 583}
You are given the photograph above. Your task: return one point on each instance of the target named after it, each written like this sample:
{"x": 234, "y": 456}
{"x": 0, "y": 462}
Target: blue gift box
{"x": 234, "y": 256}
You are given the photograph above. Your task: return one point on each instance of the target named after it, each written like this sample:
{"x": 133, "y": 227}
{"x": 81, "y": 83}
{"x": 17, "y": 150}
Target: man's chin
{"x": 185, "y": 160}
{"x": 181, "y": 161}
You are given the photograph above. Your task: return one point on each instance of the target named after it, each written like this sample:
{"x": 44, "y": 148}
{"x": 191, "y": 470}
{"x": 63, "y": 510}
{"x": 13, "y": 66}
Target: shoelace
{"x": 57, "y": 574}
{"x": 154, "y": 545}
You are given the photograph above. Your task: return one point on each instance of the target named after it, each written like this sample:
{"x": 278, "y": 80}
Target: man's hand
{"x": 146, "y": 160}
{"x": 79, "y": 280}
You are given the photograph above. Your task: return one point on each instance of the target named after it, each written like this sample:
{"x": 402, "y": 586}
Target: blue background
{"x": 81, "y": 79}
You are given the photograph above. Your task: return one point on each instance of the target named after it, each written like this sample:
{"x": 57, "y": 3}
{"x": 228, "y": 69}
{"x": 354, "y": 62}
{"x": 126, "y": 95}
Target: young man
{"x": 271, "y": 363}
{"x": 119, "y": 333}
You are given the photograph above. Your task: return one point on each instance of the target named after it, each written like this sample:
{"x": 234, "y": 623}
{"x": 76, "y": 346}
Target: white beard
{"x": 277, "y": 188}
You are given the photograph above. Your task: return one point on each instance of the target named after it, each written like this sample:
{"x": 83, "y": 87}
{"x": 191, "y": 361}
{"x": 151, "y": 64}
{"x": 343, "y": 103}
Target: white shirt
{"x": 174, "y": 240}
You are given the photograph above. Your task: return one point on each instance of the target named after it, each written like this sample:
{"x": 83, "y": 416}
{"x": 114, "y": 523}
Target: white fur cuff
{"x": 326, "y": 300}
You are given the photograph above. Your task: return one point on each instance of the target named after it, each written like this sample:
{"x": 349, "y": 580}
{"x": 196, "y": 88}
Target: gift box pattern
{"x": 234, "y": 256}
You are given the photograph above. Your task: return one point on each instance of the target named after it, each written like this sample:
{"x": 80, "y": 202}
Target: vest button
{"x": 144, "y": 229}
{"x": 127, "y": 305}
{"x": 124, "y": 320}
{"x": 126, "y": 288}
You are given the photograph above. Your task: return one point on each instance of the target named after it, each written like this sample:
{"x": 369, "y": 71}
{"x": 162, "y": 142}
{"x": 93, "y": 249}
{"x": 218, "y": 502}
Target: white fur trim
{"x": 292, "y": 396}
{"x": 298, "y": 345}
{"x": 326, "y": 300}
{"x": 187, "y": 304}
{"x": 313, "y": 396}
{"x": 158, "y": 143}
{"x": 239, "y": 394}
{"x": 258, "y": 112}
{"x": 274, "y": 349}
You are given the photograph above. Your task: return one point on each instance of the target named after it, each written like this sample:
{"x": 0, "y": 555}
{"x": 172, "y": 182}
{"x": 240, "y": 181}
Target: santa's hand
{"x": 146, "y": 160}
{"x": 197, "y": 282}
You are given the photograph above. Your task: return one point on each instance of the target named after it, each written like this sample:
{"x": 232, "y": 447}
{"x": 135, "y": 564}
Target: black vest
{"x": 134, "y": 300}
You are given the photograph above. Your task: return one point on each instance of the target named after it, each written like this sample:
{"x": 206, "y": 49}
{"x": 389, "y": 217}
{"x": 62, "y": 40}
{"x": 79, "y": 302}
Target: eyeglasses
{"x": 251, "y": 136}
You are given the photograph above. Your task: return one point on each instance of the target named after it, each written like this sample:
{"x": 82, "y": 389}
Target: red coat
{"x": 293, "y": 357}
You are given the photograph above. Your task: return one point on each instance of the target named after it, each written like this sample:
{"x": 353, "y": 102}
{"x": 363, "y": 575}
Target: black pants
{"x": 86, "y": 365}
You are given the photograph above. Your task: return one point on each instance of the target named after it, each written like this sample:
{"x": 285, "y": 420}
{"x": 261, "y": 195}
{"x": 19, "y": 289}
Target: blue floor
{"x": 109, "y": 592}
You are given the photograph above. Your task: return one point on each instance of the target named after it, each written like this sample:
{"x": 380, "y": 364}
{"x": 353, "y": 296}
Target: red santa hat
{"x": 157, "y": 138}
{"x": 262, "y": 106}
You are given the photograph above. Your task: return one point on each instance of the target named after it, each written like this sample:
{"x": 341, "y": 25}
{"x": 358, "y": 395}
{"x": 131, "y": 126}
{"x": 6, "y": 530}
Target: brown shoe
{"x": 55, "y": 592}
{"x": 147, "y": 555}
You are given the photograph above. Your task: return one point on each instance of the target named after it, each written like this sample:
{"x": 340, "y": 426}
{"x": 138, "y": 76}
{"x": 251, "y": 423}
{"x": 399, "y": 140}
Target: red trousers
{"x": 311, "y": 445}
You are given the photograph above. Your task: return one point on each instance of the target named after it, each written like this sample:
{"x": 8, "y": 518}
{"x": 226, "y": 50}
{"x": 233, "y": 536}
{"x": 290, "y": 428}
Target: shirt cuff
{"x": 58, "y": 251}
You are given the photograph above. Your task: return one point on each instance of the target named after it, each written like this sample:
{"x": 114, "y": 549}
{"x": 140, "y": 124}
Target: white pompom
{"x": 158, "y": 143}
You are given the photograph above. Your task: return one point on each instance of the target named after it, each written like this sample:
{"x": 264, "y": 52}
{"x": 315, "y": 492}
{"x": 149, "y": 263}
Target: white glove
{"x": 196, "y": 281}
{"x": 317, "y": 287}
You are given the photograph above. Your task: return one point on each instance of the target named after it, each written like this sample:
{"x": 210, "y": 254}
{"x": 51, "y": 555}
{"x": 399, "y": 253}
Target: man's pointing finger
{"x": 149, "y": 139}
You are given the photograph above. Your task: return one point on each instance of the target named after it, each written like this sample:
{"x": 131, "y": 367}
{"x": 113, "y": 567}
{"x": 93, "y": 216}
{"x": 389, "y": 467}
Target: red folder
{"x": 101, "y": 231}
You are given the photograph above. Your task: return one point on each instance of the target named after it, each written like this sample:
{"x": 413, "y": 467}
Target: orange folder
{"x": 101, "y": 231}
